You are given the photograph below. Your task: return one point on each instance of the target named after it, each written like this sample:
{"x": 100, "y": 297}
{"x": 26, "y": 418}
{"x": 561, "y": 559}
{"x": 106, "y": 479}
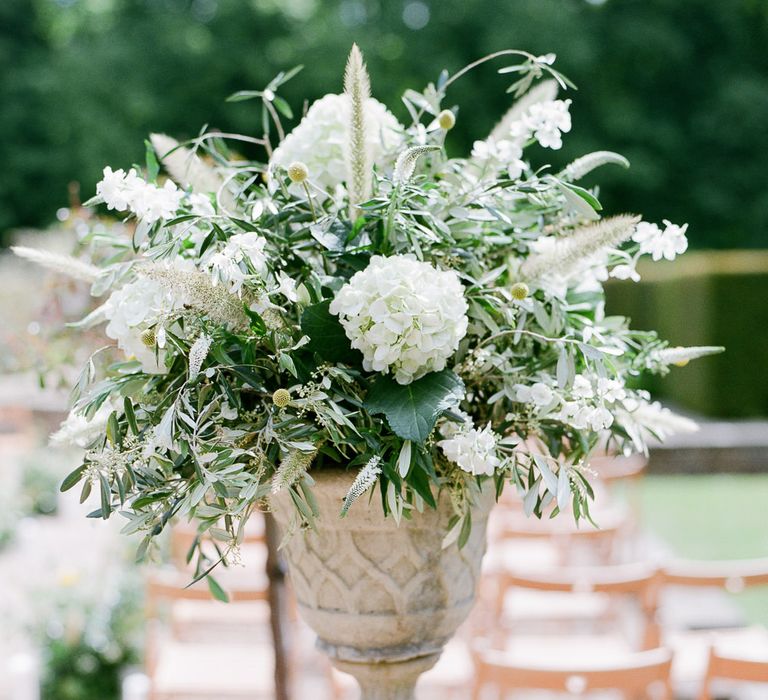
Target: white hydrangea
{"x": 472, "y": 450}
{"x": 661, "y": 244}
{"x": 584, "y": 416}
{"x": 229, "y": 264}
{"x": 319, "y": 139}
{"x": 128, "y": 192}
{"x": 137, "y": 306}
{"x": 403, "y": 315}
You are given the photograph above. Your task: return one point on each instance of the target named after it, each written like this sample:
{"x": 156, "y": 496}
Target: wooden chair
{"x": 177, "y": 669}
{"x": 642, "y": 674}
{"x": 692, "y": 645}
{"x": 724, "y": 667}
{"x": 582, "y": 595}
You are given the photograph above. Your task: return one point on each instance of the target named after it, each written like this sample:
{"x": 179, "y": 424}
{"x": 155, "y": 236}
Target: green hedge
{"x": 707, "y": 298}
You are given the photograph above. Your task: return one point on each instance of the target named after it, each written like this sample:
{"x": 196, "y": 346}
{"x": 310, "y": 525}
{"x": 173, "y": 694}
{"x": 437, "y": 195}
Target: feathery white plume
{"x": 586, "y": 164}
{"x": 682, "y": 355}
{"x": 292, "y": 468}
{"x": 545, "y": 91}
{"x": 357, "y": 87}
{"x": 406, "y": 162}
{"x": 197, "y": 354}
{"x": 366, "y": 477}
{"x": 64, "y": 264}
{"x": 580, "y": 244}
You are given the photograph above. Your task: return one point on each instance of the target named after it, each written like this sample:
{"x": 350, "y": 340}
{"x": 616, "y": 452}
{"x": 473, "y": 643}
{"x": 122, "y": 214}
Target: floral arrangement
{"x": 360, "y": 299}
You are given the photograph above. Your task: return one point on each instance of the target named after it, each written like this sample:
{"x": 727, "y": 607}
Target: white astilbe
{"x": 405, "y": 316}
{"x": 472, "y": 450}
{"x": 319, "y": 141}
{"x": 565, "y": 253}
{"x": 682, "y": 355}
{"x": 63, "y": 264}
{"x": 586, "y": 164}
{"x": 292, "y": 467}
{"x": 123, "y": 191}
{"x": 357, "y": 88}
{"x": 406, "y": 162}
{"x": 365, "y": 478}
{"x": 189, "y": 170}
{"x": 197, "y": 354}
{"x": 545, "y": 91}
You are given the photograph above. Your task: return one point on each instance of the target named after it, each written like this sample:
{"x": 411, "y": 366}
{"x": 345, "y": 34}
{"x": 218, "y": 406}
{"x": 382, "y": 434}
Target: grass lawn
{"x": 712, "y": 517}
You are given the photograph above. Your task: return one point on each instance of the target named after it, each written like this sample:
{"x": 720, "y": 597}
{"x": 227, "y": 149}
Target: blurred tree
{"x": 678, "y": 86}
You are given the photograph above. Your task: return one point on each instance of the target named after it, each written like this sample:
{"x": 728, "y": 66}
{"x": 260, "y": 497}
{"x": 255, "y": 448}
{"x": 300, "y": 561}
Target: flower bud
{"x": 446, "y": 119}
{"x": 520, "y": 290}
{"x": 298, "y": 172}
{"x": 281, "y": 398}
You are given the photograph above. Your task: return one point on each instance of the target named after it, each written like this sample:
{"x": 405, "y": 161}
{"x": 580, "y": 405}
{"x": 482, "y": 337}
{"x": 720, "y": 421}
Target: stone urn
{"x": 383, "y": 599}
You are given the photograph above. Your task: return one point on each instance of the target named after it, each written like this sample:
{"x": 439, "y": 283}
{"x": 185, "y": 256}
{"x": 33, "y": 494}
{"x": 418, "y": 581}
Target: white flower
{"x": 287, "y": 287}
{"x": 138, "y": 306}
{"x": 546, "y": 121}
{"x": 403, "y": 315}
{"x": 79, "y": 431}
{"x": 626, "y": 271}
{"x": 319, "y": 140}
{"x": 582, "y": 387}
{"x": 661, "y": 244}
{"x": 538, "y": 394}
{"x": 229, "y": 264}
{"x": 129, "y": 192}
{"x": 610, "y": 390}
{"x": 493, "y": 153}
{"x": 472, "y": 450}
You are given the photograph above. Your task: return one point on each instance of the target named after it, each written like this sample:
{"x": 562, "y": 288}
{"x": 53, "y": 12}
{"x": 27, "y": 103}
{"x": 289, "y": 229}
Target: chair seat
{"x": 199, "y": 619}
{"x": 521, "y": 605}
{"x": 539, "y": 651}
{"x": 213, "y": 671}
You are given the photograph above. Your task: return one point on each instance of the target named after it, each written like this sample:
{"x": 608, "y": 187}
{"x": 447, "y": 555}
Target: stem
{"x": 309, "y": 199}
{"x": 480, "y": 61}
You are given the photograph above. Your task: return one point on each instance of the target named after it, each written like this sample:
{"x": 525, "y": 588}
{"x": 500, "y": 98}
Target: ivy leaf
{"x": 412, "y": 409}
{"x": 326, "y": 335}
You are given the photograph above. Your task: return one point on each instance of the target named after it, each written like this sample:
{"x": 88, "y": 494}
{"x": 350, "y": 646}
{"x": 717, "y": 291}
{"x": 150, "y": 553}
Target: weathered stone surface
{"x": 378, "y": 593}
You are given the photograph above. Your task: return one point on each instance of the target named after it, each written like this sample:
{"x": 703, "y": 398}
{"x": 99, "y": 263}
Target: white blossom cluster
{"x": 470, "y": 449}
{"x": 585, "y": 405}
{"x": 544, "y": 122}
{"x": 658, "y": 243}
{"x": 319, "y": 140}
{"x": 229, "y": 264}
{"x": 140, "y": 305}
{"x": 123, "y": 191}
{"x": 405, "y": 316}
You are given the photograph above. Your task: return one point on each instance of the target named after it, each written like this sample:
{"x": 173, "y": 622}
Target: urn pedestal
{"x": 383, "y": 599}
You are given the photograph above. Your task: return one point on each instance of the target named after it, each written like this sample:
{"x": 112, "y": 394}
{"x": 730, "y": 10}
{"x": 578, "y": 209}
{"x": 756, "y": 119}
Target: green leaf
{"x": 72, "y": 478}
{"x": 216, "y": 590}
{"x": 130, "y": 415}
{"x": 257, "y": 322}
{"x": 153, "y": 167}
{"x": 326, "y": 335}
{"x": 466, "y": 529}
{"x": 412, "y": 409}
{"x": 113, "y": 430}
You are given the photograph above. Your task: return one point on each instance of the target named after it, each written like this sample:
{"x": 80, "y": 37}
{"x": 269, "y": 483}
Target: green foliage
{"x": 679, "y": 87}
{"x": 412, "y": 409}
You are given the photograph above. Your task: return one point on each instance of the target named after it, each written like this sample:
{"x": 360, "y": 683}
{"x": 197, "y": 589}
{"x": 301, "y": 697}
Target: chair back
{"x": 722, "y": 667}
{"x": 732, "y": 576}
{"x": 641, "y": 674}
